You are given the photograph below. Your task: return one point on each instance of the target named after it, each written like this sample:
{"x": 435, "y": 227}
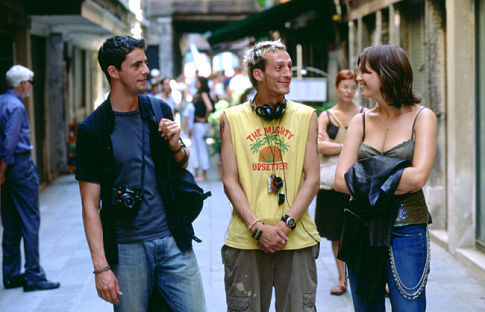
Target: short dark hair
{"x": 394, "y": 69}
{"x": 114, "y": 51}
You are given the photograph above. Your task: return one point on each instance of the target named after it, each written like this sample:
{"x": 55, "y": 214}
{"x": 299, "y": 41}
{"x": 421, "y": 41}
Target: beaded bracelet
{"x": 106, "y": 268}
{"x": 252, "y": 224}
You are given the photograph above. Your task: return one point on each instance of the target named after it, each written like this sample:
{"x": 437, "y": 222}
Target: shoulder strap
{"x": 414, "y": 122}
{"x": 361, "y": 109}
{"x": 336, "y": 119}
{"x": 363, "y": 126}
{"x": 157, "y": 110}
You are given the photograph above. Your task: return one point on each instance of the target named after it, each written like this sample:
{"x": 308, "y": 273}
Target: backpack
{"x": 185, "y": 192}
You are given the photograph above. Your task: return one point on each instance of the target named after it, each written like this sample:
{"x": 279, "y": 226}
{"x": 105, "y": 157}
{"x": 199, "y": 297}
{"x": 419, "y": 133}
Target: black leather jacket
{"x": 372, "y": 183}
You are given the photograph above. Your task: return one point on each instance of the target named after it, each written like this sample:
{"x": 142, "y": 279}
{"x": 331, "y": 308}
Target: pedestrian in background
{"x": 140, "y": 243}
{"x": 400, "y": 128}
{"x": 203, "y": 107}
{"x": 332, "y": 125}
{"x": 166, "y": 94}
{"x": 20, "y": 187}
{"x": 270, "y": 175}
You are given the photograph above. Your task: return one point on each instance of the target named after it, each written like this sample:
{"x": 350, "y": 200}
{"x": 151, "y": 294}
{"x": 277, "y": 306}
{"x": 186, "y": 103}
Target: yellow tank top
{"x": 263, "y": 148}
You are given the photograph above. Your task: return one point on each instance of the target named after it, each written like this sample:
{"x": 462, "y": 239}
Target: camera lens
{"x": 128, "y": 201}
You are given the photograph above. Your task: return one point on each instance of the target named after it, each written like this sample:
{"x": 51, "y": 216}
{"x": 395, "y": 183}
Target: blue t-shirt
{"x": 150, "y": 222}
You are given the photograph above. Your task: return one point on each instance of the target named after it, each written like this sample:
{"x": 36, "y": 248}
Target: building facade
{"x": 170, "y": 20}
{"x": 59, "y": 40}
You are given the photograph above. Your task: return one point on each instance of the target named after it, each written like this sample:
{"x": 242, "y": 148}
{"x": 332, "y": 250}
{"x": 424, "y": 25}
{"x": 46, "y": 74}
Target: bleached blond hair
{"x": 255, "y": 56}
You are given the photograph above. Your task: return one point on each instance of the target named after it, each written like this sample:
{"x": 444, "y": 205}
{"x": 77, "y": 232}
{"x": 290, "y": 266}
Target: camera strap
{"x": 142, "y": 156}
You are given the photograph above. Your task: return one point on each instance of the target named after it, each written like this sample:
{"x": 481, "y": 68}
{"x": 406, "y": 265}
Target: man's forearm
{"x": 3, "y": 167}
{"x": 94, "y": 236}
{"x": 3, "y": 170}
{"x": 239, "y": 202}
{"x": 90, "y": 196}
{"x": 303, "y": 198}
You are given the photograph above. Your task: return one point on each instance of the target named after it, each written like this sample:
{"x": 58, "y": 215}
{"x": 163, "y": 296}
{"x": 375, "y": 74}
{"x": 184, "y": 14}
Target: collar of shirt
{"x": 13, "y": 93}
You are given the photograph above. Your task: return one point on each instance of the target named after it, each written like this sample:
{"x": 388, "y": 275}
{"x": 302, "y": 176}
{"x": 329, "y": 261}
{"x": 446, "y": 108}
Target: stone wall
{"x": 435, "y": 33}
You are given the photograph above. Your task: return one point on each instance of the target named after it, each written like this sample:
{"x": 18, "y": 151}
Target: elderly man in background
{"x": 20, "y": 187}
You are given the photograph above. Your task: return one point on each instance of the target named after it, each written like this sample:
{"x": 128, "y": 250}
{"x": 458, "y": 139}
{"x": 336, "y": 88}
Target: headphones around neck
{"x": 267, "y": 113}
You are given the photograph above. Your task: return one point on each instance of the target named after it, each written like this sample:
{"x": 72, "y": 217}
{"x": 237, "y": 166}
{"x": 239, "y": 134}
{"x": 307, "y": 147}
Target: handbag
{"x": 328, "y": 165}
{"x": 351, "y": 239}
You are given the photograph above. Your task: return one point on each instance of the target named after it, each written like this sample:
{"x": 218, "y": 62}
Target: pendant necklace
{"x": 386, "y": 125}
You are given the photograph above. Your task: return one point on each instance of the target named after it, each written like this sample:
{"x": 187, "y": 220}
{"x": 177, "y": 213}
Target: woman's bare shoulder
{"x": 425, "y": 113}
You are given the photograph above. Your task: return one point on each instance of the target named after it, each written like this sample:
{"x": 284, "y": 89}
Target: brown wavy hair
{"x": 394, "y": 69}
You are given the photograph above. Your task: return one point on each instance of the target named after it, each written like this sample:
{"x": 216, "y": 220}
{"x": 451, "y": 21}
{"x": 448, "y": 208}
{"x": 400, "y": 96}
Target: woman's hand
{"x": 325, "y": 146}
{"x": 348, "y": 156}
{"x": 415, "y": 177}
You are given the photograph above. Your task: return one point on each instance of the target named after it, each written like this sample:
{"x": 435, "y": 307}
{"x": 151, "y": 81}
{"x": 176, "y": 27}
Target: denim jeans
{"x": 158, "y": 265}
{"x": 410, "y": 248}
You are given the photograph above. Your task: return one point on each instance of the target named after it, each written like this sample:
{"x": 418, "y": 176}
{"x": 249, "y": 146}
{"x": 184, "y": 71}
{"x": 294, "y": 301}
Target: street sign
{"x": 309, "y": 89}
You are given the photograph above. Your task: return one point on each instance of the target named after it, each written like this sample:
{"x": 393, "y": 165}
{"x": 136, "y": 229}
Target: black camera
{"x": 126, "y": 198}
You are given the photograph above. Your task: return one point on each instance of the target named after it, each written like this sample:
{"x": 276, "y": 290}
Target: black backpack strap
{"x": 157, "y": 110}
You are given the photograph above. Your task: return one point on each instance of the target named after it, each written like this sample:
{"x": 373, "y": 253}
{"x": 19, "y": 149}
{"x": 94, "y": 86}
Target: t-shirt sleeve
{"x": 88, "y": 160}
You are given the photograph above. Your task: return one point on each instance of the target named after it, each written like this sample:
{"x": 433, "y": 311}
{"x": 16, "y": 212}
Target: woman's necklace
{"x": 386, "y": 125}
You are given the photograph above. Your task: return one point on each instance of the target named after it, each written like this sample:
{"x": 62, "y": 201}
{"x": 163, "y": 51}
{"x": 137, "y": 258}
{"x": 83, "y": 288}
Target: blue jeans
{"x": 408, "y": 274}
{"x": 158, "y": 265}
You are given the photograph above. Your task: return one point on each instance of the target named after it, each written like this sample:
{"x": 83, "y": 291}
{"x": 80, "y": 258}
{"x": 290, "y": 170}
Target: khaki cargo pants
{"x": 250, "y": 275}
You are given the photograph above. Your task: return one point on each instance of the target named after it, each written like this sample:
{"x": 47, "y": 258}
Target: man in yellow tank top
{"x": 270, "y": 170}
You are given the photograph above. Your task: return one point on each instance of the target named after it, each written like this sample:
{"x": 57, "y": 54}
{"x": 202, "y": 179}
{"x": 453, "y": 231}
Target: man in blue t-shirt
{"x": 139, "y": 245}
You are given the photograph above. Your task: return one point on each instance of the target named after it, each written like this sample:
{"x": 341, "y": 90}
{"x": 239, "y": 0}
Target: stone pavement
{"x": 65, "y": 258}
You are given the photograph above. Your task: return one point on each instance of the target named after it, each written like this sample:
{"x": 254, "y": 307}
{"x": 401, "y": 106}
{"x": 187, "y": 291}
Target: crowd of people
{"x": 200, "y": 102}
{"x": 366, "y": 167}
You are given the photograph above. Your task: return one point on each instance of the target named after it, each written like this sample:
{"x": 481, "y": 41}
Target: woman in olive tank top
{"x": 396, "y": 127}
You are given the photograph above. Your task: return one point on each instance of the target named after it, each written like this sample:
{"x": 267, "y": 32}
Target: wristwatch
{"x": 289, "y": 221}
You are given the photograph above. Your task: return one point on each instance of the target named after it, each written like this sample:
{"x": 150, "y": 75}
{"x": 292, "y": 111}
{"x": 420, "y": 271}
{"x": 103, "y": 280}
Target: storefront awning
{"x": 259, "y": 23}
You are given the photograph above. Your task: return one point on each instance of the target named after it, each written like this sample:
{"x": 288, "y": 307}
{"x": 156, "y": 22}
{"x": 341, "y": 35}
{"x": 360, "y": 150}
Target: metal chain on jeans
{"x": 406, "y": 291}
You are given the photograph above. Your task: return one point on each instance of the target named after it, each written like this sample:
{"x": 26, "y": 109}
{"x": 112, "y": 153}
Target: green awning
{"x": 259, "y": 23}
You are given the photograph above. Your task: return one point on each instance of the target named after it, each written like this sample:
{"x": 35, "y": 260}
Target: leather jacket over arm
{"x": 368, "y": 223}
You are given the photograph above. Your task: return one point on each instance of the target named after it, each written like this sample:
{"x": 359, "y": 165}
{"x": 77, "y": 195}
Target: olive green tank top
{"x": 413, "y": 208}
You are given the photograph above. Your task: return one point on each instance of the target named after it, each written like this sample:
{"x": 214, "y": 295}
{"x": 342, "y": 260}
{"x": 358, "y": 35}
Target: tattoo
{"x": 222, "y": 126}
{"x": 317, "y": 142}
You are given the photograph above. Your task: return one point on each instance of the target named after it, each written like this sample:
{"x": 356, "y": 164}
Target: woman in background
{"x": 203, "y": 107}
{"x": 332, "y": 125}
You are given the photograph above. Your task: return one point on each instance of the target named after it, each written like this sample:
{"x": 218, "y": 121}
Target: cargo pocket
{"x": 309, "y": 303}
{"x": 236, "y": 304}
